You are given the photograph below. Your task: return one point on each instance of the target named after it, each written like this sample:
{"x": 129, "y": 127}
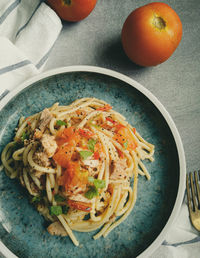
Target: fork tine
{"x": 193, "y": 192}
{"x": 197, "y": 185}
{"x": 188, "y": 193}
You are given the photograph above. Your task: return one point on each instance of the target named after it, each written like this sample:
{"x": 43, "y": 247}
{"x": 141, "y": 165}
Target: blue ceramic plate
{"x": 23, "y": 230}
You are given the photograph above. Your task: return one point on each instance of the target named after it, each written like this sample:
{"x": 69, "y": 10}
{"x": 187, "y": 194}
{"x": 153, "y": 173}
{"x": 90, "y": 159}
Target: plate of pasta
{"x": 92, "y": 166}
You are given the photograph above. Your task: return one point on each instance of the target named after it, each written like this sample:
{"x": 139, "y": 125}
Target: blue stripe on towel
{"x": 14, "y": 66}
{"x": 9, "y": 10}
{"x": 194, "y": 240}
{"x": 24, "y": 26}
{"x": 44, "y": 58}
{"x": 4, "y": 94}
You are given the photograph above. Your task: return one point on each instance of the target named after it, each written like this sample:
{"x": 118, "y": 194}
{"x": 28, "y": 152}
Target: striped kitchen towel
{"x": 182, "y": 240}
{"x": 28, "y": 31}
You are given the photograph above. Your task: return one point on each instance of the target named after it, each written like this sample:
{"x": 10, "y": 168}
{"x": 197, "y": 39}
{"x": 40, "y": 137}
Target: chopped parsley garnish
{"x": 36, "y": 199}
{"x": 56, "y": 210}
{"x": 24, "y": 136}
{"x": 92, "y": 192}
{"x": 91, "y": 144}
{"x": 85, "y": 154}
{"x": 59, "y": 198}
{"x": 99, "y": 183}
{"x": 60, "y": 122}
{"x": 125, "y": 144}
{"x": 93, "y": 189}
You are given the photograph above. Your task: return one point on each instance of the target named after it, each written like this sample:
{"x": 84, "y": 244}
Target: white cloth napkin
{"x": 28, "y": 31}
{"x": 182, "y": 241}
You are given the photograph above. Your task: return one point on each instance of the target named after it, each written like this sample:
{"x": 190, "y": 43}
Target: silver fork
{"x": 193, "y": 196}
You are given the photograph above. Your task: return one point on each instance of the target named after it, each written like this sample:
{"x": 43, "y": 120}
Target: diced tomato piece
{"x": 123, "y": 135}
{"x": 105, "y": 108}
{"x": 121, "y": 154}
{"x": 119, "y": 127}
{"x": 82, "y": 206}
{"x": 98, "y": 148}
{"x": 85, "y": 133}
{"x": 134, "y": 130}
{"x": 111, "y": 120}
{"x": 64, "y": 154}
{"x": 67, "y": 135}
{"x": 67, "y": 141}
{"x": 28, "y": 122}
{"x": 72, "y": 176}
{"x": 96, "y": 155}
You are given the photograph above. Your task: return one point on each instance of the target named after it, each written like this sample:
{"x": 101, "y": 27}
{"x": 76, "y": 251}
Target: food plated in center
{"x": 80, "y": 163}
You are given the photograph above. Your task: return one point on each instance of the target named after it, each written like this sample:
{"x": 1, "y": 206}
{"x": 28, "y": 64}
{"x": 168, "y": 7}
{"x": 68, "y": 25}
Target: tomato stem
{"x": 67, "y": 2}
{"x": 159, "y": 23}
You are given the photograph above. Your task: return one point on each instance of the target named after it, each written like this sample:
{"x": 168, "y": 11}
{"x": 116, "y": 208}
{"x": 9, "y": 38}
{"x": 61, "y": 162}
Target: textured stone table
{"x": 176, "y": 83}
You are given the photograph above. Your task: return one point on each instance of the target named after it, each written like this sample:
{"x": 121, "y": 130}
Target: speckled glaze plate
{"x": 23, "y": 231}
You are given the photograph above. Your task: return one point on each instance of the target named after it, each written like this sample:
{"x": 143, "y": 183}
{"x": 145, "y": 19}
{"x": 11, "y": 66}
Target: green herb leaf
{"x": 92, "y": 192}
{"x": 55, "y": 210}
{"x": 90, "y": 179}
{"x": 91, "y": 144}
{"x": 125, "y": 144}
{"x": 85, "y": 154}
{"x": 36, "y": 199}
{"x": 99, "y": 183}
{"x": 65, "y": 209}
{"x": 60, "y": 122}
{"x": 24, "y": 136}
{"x": 59, "y": 198}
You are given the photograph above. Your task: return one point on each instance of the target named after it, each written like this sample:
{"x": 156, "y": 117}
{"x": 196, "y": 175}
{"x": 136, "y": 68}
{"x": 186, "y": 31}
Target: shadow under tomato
{"x": 115, "y": 56}
{"x": 69, "y": 23}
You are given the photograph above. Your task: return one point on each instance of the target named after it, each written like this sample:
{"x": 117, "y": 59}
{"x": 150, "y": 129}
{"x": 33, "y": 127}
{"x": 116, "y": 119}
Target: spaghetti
{"x": 80, "y": 164}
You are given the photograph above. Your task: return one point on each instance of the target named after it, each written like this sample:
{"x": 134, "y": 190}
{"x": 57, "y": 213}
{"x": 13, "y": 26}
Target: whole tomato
{"x": 72, "y": 10}
{"x": 151, "y": 34}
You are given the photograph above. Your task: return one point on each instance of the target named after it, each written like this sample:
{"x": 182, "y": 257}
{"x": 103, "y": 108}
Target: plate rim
{"x": 105, "y": 71}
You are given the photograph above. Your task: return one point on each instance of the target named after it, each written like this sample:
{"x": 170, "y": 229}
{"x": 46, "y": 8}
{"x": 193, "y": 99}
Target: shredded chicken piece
{"x": 91, "y": 163}
{"x": 49, "y": 144}
{"x": 41, "y": 159}
{"x": 118, "y": 169}
{"x": 57, "y": 229}
{"x": 80, "y": 198}
{"x": 45, "y": 118}
{"x": 74, "y": 190}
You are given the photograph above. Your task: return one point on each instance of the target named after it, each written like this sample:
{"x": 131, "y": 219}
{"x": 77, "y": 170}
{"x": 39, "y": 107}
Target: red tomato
{"x": 72, "y": 10}
{"x": 64, "y": 154}
{"x": 67, "y": 141}
{"x": 151, "y": 34}
{"x": 85, "y": 133}
{"x": 79, "y": 205}
{"x": 73, "y": 177}
{"x": 111, "y": 120}
{"x": 96, "y": 155}
{"x": 124, "y": 137}
{"x": 105, "y": 108}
